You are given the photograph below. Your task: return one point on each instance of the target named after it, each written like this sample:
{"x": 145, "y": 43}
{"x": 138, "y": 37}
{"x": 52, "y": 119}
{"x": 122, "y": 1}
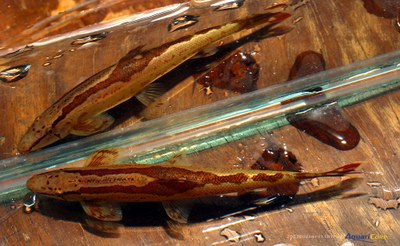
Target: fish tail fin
{"x": 346, "y": 169}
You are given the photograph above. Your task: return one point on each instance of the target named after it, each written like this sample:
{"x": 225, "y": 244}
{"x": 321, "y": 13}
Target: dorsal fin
{"x": 103, "y": 158}
{"x": 179, "y": 159}
{"x": 105, "y": 211}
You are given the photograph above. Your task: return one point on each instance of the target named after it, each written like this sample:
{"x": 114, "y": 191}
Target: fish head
{"x": 40, "y": 135}
{"x": 49, "y": 184}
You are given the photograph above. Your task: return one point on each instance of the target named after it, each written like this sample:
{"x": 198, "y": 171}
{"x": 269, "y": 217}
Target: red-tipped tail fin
{"x": 346, "y": 169}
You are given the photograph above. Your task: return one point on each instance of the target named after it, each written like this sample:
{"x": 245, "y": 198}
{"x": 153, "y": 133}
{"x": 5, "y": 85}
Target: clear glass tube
{"x": 215, "y": 124}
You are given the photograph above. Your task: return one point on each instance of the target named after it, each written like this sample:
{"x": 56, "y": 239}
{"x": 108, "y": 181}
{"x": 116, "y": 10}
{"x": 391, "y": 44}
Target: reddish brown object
{"x": 238, "y": 73}
{"x": 325, "y": 124}
{"x": 328, "y": 126}
{"x": 307, "y": 63}
{"x": 383, "y": 8}
{"x": 278, "y": 160}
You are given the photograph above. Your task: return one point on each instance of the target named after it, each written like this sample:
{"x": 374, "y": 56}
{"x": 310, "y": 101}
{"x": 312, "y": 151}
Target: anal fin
{"x": 94, "y": 125}
{"x": 105, "y": 211}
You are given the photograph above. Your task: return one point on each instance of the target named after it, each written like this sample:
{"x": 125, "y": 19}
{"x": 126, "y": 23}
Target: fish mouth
{"x": 36, "y": 184}
{"x": 30, "y": 143}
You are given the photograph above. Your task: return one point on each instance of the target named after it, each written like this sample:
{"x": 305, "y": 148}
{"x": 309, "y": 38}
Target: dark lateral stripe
{"x": 264, "y": 177}
{"x": 158, "y": 187}
{"x": 167, "y": 173}
{"x": 118, "y": 75}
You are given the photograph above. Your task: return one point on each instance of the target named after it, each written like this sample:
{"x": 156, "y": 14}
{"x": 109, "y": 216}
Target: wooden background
{"x": 343, "y": 32}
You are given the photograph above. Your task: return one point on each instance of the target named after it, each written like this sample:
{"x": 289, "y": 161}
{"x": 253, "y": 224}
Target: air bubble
{"x": 182, "y": 22}
{"x": 200, "y": 3}
{"x": 228, "y": 5}
{"x": 398, "y": 22}
{"x": 90, "y": 38}
{"x": 14, "y": 73}
{"x": 58, "y": 56}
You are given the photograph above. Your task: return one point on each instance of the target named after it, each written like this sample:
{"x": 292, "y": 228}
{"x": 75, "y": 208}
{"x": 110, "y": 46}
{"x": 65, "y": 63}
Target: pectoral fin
{"x": 105, "y": 211}
{"x": 207, "y": 52}
{"x": 103, "y": 158}
{"x": 178, "y": 211}
{"x": 94, "y": 125}
{"x": 150, "y": 93}
{"x": 102, "y": 228}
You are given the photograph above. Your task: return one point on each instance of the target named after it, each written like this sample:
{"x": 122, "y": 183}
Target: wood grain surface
{"x": 343, "y": 32}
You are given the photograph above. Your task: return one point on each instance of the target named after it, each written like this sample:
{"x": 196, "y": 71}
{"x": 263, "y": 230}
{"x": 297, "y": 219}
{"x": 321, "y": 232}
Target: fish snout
{"x": 46, "y": 184}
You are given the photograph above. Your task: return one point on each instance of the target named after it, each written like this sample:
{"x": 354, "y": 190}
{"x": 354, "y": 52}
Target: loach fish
{"x": 101, "y": 182}
{"x": 154, "y": 183}
{"x": 82, "y": 110}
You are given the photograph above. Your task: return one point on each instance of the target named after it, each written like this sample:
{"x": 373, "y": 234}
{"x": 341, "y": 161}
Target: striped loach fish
{"x": 81, "y": 111}
{"x": 104, "y": 181}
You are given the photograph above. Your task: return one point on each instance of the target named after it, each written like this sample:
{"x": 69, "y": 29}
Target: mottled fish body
{"x": 155, "y": 183}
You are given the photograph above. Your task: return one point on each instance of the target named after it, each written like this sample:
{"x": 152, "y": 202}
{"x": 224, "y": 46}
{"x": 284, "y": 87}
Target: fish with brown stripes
{"x": 81, "y": 111}
{"x": 102, "y": 184}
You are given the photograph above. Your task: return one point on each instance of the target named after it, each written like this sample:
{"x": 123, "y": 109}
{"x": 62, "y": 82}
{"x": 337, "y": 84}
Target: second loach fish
{"x": 82, "y": 110}
{"x": 101, "y": 182}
